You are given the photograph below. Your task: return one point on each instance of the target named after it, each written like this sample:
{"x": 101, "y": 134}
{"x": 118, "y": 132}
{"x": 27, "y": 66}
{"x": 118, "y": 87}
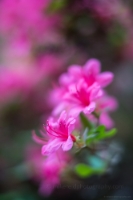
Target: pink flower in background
{"x": 26, "y": 19}
{"x": 60, "y": 134}
{"x": 46, "y": 171}
{"x": 105, "y": 105}
{"x": 103, "y": 9}
{"x": 52, "y": 169}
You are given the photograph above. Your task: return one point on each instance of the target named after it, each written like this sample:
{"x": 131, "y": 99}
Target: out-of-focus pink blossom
{"x": 104, "y": 106}
{"x": 52, "y": 169}
{"x": 26, "y": 19}
{"x": 90, "y": 72}
{"x": 103, "y": 9}
{"x": 46, "y": 171}
{"x": 59, "y": 134}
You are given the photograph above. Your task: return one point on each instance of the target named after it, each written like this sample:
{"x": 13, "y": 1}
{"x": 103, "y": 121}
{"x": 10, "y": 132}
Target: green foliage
{"x": 85, "y": 171}
{"x": 95, "y": 134}
{"x": 86, "y": 123}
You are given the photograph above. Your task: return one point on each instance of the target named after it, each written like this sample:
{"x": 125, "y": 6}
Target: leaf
{"x": 84, "y": 170}
{"x": 100, "y": 129}
{"x": 99, "y": 133}
{"x": 107, "y": 134}
{"x": 86, "y": 123}
{"x": 91, "y": 138}
{"x": 57, "y": 5}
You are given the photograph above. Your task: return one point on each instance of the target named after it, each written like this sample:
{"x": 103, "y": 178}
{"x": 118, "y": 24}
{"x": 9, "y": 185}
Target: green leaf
{"x": 91, "y": 138}
{"x": 100, "y": 129}
{"x": 57, "y": 5}
{"x": 108, "y": 134}
{"x": 86, "y": 123}
{"x": 84, "y": 170}
{"x": 111, "y": 133}
{"x": 99, "y": 133}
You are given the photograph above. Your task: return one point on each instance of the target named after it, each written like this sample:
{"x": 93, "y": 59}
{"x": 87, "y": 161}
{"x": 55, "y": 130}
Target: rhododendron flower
{"x": 51, "y": 170}
{"x": 81, "y": 98}
{"x": 90, "y": 72}
{"x": 78, "y": 85}
{"x": 60, "y": 134}
{"x": 28, "y": 19}
{"x": 46, "y": 170}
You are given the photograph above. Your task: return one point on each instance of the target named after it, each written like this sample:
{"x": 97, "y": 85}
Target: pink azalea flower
{"x": 46, "y": 171}
{"x": 90, "y": 72}
{"x": 60, "y": 134}
{"x": 50, "y": 175}
{"x": 28, "y": 19}
{"x": 81, "y": 98}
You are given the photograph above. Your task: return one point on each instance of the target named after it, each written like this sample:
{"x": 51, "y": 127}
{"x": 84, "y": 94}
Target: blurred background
{"x": 39, "y": 39}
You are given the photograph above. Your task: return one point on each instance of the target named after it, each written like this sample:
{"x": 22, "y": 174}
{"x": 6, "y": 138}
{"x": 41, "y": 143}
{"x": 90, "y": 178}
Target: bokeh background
{"x": 39, "y": 39}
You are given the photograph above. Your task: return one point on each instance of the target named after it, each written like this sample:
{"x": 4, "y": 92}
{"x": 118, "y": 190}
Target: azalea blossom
{"x": 81, "y": 98}
{"x": 78, "y": 85}
{"x": 90, "y": 72}
{"x": 46, "y": 171}
{"x": 59, "y": 133}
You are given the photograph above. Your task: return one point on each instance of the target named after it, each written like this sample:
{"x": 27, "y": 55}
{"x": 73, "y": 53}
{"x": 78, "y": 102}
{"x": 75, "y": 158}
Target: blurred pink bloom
{"x": 90, "y": 72}
{"x": 46, "y": 170}
{"x": 52, "y": 167}
{"x": 104, "y": 10}
{"x": 26, "y": 18}
{"x": 104, "y": 106}
{"x": 59, "y": 134}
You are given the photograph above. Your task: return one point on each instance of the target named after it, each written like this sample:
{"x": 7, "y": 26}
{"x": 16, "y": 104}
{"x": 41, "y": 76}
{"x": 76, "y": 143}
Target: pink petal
{"x": 96, "y": 92}
{"x": 64, "y": 79}
{"x": 75, "y": 70}
{"x": 89, "y": 109}
{"x": 105, "y": 78}
{"x": 58, "y": 109}
{"x": 75, "y": 111}
{"x": 106, "y": 120}
{"x": 63, "y": 116}
{"x": 38, "y": 139}
{"x": 51, "y": 146}
{"x": 93, "y": 66}
{"x": 68, "y": 144}
{"x": 112, "y": 103}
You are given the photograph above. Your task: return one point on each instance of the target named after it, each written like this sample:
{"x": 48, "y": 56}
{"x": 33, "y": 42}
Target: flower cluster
{"x": 80, "y": 96}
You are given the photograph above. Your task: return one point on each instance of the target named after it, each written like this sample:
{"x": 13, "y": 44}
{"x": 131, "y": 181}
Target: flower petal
{"x": 89, "y": 109}
{"x": 105, "y": 78}
{"x": 106, "y": 120}
{"x": 51, "y": 146}
{"x": 68, "y": 144}
{"x": 93, "y": 66}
